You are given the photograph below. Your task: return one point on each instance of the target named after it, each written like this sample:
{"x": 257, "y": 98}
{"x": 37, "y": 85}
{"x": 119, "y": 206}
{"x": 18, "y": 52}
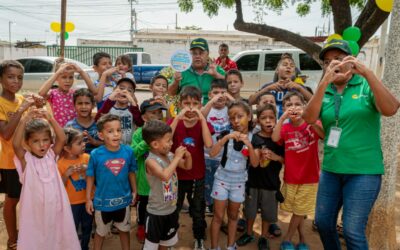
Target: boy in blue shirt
{"x": 112, "y": 167}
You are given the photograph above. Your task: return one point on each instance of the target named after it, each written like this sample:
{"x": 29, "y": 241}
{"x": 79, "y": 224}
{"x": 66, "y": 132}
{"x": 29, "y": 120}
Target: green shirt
{"x": 359, "y": 150}
{"x": 191, "y": 78}
{"x": 141, "y": 150}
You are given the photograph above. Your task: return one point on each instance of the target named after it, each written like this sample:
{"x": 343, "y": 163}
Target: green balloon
{"x": 355, "y": 49}
{"x": 352, "y": 34}
{"x": 66, "y": 35}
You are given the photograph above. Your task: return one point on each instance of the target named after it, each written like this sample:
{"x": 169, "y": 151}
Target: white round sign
{"x": 181, "y": 60}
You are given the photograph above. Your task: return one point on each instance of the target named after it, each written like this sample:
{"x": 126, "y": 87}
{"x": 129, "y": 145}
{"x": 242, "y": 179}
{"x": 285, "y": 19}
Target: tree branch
{"x": 289, "y": 37}
{"x": 341, "y": 15}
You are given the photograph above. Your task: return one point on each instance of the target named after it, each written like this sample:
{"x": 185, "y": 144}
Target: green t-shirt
{"x": 191, "y": 78}
{"x": 141, "y": 150}
{"x": 359, "y": 150}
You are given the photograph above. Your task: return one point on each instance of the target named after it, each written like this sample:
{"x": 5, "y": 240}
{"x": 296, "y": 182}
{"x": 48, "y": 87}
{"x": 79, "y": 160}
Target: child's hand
{"x": 125, "y": 93}
{"x": 64, "y": 68}
{"x": 70, "y": 171}
{"x": 88, "y": 137}
{"x": 177, "y": 77}
{"x": 28, "y": 102}
{"x": 181, "y": 114}
{"x": 269, "y": 154}
{"x": 133, "y": 198}
{"x": 216, "y": 97}
{"x": 200, "y": 115}
{"x": 115, "y": 94}
{"x": 180, "y": 152}
{"x": 229, "y": 97}
{"x": 287, "y": 113}
{"x": 89, "y": 207}
{"x": 76, "y": 68}
{"x": 293, "y": 85}
{"x": 212, "y": 69}
{"x": 245, "y": 139}
{"x": 161, "y": 100}
{"x": 187, "y": 154}
{"x": 39, "y": 101}
{"x": 110, "y": 71}
{"x": 235, "y": 135}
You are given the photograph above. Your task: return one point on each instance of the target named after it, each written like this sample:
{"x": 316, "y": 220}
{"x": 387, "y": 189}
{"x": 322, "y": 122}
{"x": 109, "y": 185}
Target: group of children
{"x": 74, "y": 167}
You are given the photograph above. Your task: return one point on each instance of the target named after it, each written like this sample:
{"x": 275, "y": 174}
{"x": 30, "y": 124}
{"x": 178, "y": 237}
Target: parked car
{"x": 143, "y": 70}
{"x": 258, "y": 67}
{"x": 39, "y": 68}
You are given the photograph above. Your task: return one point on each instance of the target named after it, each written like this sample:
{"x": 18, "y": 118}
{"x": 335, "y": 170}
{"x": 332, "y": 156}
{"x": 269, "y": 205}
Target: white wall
{"x": 20, "y": 52}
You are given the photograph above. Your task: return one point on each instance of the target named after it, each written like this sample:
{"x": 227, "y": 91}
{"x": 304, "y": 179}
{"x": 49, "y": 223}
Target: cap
{"x": 150, "y": 105}
{"x": 126, "y": 79}
{"x": 200, "y": 43}
{"x": 335, "y": 44}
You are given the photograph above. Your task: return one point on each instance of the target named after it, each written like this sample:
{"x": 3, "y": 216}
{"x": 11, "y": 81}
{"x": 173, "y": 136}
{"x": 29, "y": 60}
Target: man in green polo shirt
{"x": 200, "y": 74}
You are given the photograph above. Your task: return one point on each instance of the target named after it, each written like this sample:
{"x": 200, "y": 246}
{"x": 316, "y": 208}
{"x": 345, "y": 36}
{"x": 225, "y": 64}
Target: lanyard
{"x": 338, "y": 102}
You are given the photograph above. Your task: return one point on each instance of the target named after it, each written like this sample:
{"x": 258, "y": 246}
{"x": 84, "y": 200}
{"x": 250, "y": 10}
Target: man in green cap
{"x": 200, "y": 74}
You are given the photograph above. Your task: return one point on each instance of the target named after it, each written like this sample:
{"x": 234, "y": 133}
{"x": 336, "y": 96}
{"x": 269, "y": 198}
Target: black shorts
{"x": 9, "y": 183}
{"x": 161, "y": 228}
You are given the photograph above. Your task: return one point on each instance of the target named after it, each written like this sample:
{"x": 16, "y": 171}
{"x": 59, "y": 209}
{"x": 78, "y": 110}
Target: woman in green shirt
{"x": 349, "y": 100}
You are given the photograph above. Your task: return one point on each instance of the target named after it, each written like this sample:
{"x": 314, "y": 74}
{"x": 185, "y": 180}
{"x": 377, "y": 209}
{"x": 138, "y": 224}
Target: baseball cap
{"x": 150, "y": 105}
{"x": 200, "y": 43}
{"x": 126, "y": 79}
{"x": 335, "y": 44}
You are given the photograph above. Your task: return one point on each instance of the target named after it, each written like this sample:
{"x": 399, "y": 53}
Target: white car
{"x": 258, "y": 67}
{"x": 40, "y": 68}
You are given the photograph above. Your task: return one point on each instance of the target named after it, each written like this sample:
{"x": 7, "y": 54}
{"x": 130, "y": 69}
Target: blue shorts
{"x": 222, "y": 191}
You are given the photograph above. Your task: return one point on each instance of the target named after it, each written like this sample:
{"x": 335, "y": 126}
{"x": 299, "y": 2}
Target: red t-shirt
{"x": 230, "y": 64}
{"x": 301, "y": 154}
{"x": 192, "y": 139}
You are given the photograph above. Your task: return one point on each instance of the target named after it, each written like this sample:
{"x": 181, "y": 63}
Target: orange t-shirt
{"x": 7, "y": 110}
{"x": 76, "y": 184}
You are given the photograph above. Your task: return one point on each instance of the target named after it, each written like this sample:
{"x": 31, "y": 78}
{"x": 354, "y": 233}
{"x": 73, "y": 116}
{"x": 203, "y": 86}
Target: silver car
{"x": 40, "y": 68}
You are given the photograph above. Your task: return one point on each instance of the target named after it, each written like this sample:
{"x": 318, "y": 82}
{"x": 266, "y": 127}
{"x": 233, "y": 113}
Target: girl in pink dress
{"x": 45, "y": 217}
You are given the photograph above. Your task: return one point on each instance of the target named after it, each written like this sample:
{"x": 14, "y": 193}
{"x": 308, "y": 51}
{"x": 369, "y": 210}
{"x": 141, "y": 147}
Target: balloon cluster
{"x": 56, "y": 27}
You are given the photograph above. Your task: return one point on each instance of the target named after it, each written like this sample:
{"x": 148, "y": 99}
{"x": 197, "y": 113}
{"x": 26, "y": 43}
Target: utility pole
{"x": 62, "y": 33}
{"x": 132, "y": 30}
{"x": 176, "y": 21}
{"x": 9, "y": 37}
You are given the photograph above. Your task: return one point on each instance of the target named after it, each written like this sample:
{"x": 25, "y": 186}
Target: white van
{"x": 258, "y": 67}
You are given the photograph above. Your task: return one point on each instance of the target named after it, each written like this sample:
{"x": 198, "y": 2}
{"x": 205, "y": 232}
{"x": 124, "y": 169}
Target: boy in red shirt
{"x": 301, "y": 165}
{"x": 191, "y": 129}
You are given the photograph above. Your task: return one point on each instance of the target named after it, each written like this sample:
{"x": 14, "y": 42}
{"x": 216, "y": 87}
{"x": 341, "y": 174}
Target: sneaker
{"x": 141, "y": 234}
{"x": 302, "y": 246}
{"x": 199, "y": 244}
{"x": 241, "y": 225}
{"x": 185, "y": 209}
{"x": 209, "y": 211}
{"x": 245, "y": 239}
{"x": 287, "y": 245}
{"x": 234, "y": 247}
{"x": 263, "y": 244}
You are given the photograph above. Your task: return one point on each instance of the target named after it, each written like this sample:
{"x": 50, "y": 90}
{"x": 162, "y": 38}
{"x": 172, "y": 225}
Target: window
{"x": 146, "y": 59}
{"x": 271, "y": 61}
{"x": 248, "y": 62}
{"x": 308, "y": 63}
{"x": 38, "y": 66}
{"x": 25, "y": 63}
{"x": 133, "y": 58}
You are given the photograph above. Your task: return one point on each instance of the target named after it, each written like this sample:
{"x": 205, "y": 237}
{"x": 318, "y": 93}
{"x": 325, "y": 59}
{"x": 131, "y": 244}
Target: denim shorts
{"x": 223, "y": 190}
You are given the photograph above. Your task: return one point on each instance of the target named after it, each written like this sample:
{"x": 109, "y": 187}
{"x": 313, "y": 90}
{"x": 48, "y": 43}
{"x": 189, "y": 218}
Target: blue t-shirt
{"x": 111, "y": 172}
{"x": 92, "y": 131}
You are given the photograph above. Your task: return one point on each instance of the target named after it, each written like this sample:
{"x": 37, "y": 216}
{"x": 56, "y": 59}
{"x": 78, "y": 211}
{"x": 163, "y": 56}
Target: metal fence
{"x": 85, "y": 54}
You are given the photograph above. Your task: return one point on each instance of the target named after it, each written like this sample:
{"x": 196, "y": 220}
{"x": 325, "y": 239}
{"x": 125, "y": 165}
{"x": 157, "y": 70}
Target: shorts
{"x": 299, "y": 198}
{"x": 264, "y": 199}
{"x": 120, "y": 217}
{"x": 9, "y": 183}
{"x": 224, "y": 190}
{"x": 161, "y": 230}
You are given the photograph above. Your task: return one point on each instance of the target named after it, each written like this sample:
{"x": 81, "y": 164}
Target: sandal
{"x": 274, "y": 230}
{"x": 11, "y": 246}
{"x": 287, "y": 245}
{"x": 302, "y": 246}
{"x": 339, "y": 229}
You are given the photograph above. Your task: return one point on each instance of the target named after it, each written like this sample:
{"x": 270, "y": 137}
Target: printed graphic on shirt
{"x": 115, "y": 165}
{"x": 79, "y": 184}
{"x": 220, "y": 124}
{"x": 170, "y": 189}
{"x": 300, "y": 141}
{"x": 189, "y": 142}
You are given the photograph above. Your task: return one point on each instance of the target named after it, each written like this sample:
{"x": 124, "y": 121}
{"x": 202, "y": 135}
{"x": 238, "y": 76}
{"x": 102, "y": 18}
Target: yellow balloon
{"x": 334, "y": 36}
{"x": 69, "y": 27}
{"x": 55, "y": 26}
{"x": 385, "y": 5}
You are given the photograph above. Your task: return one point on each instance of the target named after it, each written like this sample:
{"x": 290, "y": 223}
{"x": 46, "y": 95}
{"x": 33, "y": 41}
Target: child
{"x": 216, "y": 112}
{"x": 45, "y": 218}
{"x": 84, "y": 103}
{"x": 263, "y": 183}
{"x": 231, "y": 175}
{"x": 121, "y": 103}
{"x": 159, "y": 88}
{"x": 301, "y": 165}
{"x": 61, "y": 98}
{"x": 235, "y": 83}
{"x": 286, "y": 71}
{"x": 124, "y": 65}
{"x": 162, "y": 221}
{"x": 12, "y": 106}
{"x": 265, "y": 98}
{"x": 72, "y": 166}
{"x": 191, "y": 130}
{"x": 102, "y": 64}
{"x": 151, "y": 110}
{"x": 112, "y": 168}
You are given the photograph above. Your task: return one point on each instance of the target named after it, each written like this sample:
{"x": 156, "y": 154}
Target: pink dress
{"x": 62, "y": 105}
{"x": 45, "y": 217}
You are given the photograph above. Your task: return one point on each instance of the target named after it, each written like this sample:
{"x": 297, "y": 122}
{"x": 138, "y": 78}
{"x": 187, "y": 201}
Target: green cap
{"x": 200, "y": 43}
{"x": 335, "y": 44}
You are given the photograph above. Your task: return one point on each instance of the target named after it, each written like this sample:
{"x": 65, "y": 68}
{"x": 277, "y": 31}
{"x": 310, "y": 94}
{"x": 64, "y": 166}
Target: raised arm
{"x": 85, "y": 76}
{"x": 205, "y": 130}
{"x": 276, "y": 134}
{"x": 19, "y": 138}
{"x": 103, "y": 82}
{"x": 173, "y": 88}
{"x": 186, "y": 161}
{"x": 254, "y": 154}
{"x": 44, "y": 89}
{"x": 253, "y": 98}
{"x": 59, "y": 132}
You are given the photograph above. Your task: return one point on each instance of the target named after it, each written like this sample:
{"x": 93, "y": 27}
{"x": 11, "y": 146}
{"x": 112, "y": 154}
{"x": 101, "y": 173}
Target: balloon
{"x": 334, "y": 36}
{"x": 66, "y": 35}
{"x": 69, "y": 27}
{"x": 56, "y": 27}
{"x": 352, "y": 34}
{"x": 355, "y": 49}
{"x": 385, "y": 5}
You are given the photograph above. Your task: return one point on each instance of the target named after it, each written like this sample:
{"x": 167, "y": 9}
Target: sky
{"x": 110, "y": 19}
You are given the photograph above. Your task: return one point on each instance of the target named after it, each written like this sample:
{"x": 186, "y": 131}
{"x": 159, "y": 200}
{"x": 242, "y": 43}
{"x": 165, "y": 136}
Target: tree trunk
{"x": 381, "y": 231}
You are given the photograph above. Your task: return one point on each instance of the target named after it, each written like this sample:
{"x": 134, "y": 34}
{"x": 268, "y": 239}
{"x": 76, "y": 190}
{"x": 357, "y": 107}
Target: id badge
{"x": 334, "y": 137}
